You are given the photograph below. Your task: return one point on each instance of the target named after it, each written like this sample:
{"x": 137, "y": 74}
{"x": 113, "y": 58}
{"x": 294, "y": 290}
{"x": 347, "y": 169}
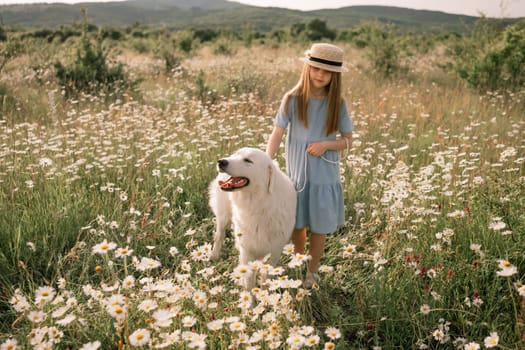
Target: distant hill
{"x": 184, "y": 14}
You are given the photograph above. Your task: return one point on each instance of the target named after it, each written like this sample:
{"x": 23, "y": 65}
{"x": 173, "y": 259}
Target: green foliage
{"x": 317, "y": 30}
{"x": 171, "y": 60}
{"x": 383, "y": 48}
{"x": 91, "y": 72}
{"x": 186, "y": 44}
{"x": 491, "y": 58}
{"x": 9, "y": 49}
{"x": 204, "y": 35}
{"x": 111, "y": 33}
{"x": 3, "y": 34}
{"x": 233, "y": 16}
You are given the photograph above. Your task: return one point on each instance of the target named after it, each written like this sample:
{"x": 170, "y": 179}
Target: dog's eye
{"x": 247, "y": 160}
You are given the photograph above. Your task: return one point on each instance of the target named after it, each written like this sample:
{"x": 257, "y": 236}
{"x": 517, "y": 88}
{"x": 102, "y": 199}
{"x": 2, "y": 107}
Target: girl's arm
{"x": 274, "y": 141}
{"x": 318, "y": 148}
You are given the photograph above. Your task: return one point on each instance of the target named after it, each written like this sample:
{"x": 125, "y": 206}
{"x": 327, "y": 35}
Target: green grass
{"x": 431, "y": 168}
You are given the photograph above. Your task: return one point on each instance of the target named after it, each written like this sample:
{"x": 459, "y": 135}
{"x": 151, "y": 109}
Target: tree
{"x": 317, "y": 30}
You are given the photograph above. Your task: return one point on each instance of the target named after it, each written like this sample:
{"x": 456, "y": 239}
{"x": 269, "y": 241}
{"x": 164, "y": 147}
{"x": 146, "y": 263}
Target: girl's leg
{"x": 317, "y": 242}
{"x": 299, "y": 239}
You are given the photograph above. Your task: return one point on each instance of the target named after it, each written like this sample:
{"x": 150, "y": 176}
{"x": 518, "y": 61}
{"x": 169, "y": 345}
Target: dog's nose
{"x": 223, "y": 163}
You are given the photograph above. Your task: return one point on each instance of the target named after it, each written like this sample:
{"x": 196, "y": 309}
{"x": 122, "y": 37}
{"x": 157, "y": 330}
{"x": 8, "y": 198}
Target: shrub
{"x": 383, "y": 49}
{"x": 3, "y": 35}
{"x": 90, "y": 73}
{"x": 317, "y": 30}
{"x": 11, "y": 49}
{"x": 491, "y": 58}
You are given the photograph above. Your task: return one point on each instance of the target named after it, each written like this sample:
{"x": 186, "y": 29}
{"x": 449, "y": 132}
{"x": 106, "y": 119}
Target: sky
{"x": 490, "y": 8}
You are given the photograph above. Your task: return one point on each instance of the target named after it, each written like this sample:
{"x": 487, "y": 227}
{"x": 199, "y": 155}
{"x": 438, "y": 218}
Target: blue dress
{"x": 320, "y": 202}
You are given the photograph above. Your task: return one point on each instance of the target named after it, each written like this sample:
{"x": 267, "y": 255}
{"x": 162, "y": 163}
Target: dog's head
{"x": 248, "y": 167}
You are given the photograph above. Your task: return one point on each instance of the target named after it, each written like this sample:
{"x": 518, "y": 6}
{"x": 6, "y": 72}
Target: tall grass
{"x": 434, "y": 193}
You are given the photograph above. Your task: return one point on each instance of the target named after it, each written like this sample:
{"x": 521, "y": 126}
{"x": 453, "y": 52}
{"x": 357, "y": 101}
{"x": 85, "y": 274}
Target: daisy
{"x": 472, "y": 346}
{"x": 140, "y": 337}
{"x": 36, "y": 316}
{"x": 478, "y": 180}
{"x": 520, "y": 288}
{"x": 506, "y": 268}
{"x": 200, "y": 299}
{"x": 326, "y": 269}
{"x": 173, "y": 251}
{"x": 276, "y": 271}
{"x": 289, "y": 249}
{"x": 333, "y": 333}
{"x": 91, "y": 346}
{"x": 198, "y": 342}
{"x": 188, "y": 321}
{"x": 438, "y": 334}
{"x": 457, "y": 214}
{"x": 295, "y": 340}
{"x": 60, "y": 311}
{"x": 424, "y": 309}
{"x": 118, "y": 312}
{"x": 312, "y": 340}
{"x": 497, "y": 224}
{"x": 44, "y": 162}
{"x": 492, "y": 340}
{"x": 147, "y": 264}
{"x": 123, "y": 196}
{"x": 44, "y": 294}
{"x": 237, "y": 326}
{"x": 20, "y": 303}
{"x": 128, "y": 282}
{"x": 66, "y": 320}
{"x": 148, "y": 305}
{"x": 329, "y": 345}
{"x": 246, "y": 297}
{"x": 216, "y": 290}
{"x": 123, "y": 252}
{"x": 163, "y": 318}
{"x": 476, "y": 248}
{"x": 348, "y": 250}
{"x": 215, "y": 325}
{"x": 104, "y": 247}
{"x": 9, "y": 344}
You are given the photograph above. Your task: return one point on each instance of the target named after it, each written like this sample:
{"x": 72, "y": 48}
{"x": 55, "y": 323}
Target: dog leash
{"x": 323, "y": 158}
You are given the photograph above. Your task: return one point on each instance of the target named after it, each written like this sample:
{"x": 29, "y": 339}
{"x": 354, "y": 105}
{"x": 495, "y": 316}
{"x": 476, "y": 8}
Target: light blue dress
{"x": 320, "y": 202}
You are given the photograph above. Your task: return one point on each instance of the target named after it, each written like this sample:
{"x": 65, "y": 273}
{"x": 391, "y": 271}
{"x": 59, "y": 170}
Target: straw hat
{"x": 325, "y": 56}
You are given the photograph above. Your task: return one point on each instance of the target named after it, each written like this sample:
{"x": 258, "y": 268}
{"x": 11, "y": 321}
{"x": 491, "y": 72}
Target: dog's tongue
{"x": 233, "y": 182}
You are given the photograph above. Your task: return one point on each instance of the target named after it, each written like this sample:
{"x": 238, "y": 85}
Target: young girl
{"x": 314, "y": 111}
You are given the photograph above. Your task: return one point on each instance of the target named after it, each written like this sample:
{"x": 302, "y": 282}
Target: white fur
{"x": 262, "y": 213}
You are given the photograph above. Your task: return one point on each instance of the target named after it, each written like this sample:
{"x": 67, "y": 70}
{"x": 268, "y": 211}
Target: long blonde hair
{"x": 303, "y": 93}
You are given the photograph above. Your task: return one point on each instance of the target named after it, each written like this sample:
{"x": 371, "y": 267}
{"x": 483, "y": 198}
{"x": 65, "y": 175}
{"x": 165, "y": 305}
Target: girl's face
{"x": 319, "y": 78}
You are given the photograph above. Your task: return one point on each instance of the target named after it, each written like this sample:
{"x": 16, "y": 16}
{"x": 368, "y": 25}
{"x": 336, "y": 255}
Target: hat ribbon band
{"x": 320, "y": 60}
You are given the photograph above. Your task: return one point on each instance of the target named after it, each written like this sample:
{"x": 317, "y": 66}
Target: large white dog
{"x": 253, "y": 193}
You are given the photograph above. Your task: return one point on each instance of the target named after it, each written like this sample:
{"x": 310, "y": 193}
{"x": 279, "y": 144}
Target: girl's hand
{"x": 316, "y": 149}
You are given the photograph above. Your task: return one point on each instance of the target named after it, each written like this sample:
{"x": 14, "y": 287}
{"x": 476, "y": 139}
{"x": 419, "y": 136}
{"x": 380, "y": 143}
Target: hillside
{"x": 182, "y": 14}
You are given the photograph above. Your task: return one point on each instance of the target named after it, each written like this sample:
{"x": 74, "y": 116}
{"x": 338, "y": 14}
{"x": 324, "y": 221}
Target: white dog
{"x": 253, "y": 193}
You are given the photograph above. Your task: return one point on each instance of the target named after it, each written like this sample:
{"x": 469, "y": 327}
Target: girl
{"x": 314, "y": 111}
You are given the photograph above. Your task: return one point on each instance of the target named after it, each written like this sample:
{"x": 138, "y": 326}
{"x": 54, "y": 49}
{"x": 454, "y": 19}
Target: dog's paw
{"x": 214, "y": 256}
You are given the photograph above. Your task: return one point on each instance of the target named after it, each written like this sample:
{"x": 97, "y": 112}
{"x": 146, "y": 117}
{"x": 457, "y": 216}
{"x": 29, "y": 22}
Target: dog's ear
{"x": 270, "y": 174}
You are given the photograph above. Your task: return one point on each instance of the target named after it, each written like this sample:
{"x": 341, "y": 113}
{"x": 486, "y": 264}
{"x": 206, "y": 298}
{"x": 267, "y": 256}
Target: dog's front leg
{"x": 221, "y": 207}
{"x": 245, "y": 258}
{"x": 218, "y": 240}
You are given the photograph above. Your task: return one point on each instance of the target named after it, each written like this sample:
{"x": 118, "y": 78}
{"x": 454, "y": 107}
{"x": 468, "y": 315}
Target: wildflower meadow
{"x": 105, "y": 230}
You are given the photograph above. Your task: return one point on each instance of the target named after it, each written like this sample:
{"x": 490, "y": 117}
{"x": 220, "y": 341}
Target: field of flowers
{"x": 106, "y": 233}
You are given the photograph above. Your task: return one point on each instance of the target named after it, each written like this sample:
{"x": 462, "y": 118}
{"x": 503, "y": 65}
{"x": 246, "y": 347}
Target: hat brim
{"x": 324, "y": 66}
